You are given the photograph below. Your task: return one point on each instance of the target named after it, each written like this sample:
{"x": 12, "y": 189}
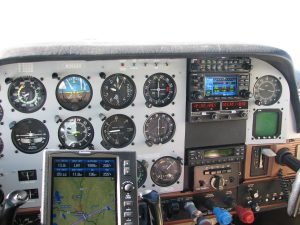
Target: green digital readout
{"x": 216, "y": 153}
{"x": 267, "y": 123}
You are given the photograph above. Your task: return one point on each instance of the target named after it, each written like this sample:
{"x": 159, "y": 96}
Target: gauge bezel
{"x": 272, "y": 101}
{"x": 150, "y": 99}
{"x": 1, "y": 113}
{"x": 172, "y": 182}
{"x": 25, "y": 109}
{"x": 171, "y": 136}
{"x": 1, "y": 147}
{"x": 20, "y": 148}
{"x": 80, "y": 147}
{"x": 112, "y": 145}
{"x": 145, "y": 174}
{"x": 62, "y": 104}
{"x": 132, "y": 98}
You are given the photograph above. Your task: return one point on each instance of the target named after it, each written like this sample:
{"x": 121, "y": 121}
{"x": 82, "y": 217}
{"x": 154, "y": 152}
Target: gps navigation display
{"x": 83, "y": 191}
{"x": 224, "y": 86}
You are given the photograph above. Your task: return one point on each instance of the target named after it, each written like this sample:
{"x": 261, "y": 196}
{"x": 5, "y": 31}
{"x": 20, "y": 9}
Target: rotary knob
{"x": 128, "y": 187}
{"x": 217, "y": 182}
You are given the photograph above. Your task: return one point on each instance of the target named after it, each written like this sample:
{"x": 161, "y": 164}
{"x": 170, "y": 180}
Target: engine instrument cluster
{"x": 202, "y": 126}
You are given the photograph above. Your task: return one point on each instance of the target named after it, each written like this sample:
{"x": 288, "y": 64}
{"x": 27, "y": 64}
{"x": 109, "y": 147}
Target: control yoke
{"x": 152, "y": 198}
{"x": 12, "y": 202}
{"x": 284, "y": 157}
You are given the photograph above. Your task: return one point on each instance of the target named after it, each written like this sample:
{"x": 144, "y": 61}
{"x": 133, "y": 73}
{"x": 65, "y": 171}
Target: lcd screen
{"x": 216, "y": 153}
{"x": 220, "y": 86}
{"x": 83, "y": 191}
{"x": 267, "y": 123}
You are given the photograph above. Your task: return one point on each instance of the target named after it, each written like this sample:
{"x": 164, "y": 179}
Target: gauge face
{"x": 118, "y": 131}
{"x": 141, "y": 173}
{"x": 118, "y": 91}
{"x": 159, "y": 90}
{"x": 30, "y": 136}
{"x": 74, "y": 92}
{"x": 76, "y": 133}
{"x": 165, "y": 171}
{"x": 159, "y": 128}
{"x": 267, "y": 90}
{"x": 1, "y": 145}
{"x": 1, "y": 113}
{"x": 27, "y": 94}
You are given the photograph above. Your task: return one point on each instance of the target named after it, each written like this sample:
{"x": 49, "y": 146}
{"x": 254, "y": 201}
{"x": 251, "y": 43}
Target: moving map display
{"x": 83, "y": 191}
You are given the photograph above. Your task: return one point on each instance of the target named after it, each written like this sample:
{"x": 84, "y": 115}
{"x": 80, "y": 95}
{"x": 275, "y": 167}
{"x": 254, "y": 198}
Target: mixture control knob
{"x": 214, "y": 116}
{"x": 217, "y": 182}
{"x": 128, "y": 187}
{"x": 253, "y": 193}
{"x": 246, "y": 215}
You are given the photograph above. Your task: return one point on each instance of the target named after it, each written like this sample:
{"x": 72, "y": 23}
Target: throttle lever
{"x": 12, "y": 202}
{"x": 152, "y": 198}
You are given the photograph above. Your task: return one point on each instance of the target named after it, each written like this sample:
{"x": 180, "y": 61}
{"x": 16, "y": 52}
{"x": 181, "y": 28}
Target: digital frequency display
{"x": 234, "y": 105}
{"x": 83, "y": 191}
{"x": 205, "y": 106}
{"x": 220, "y": 86}
{"x": 216, "y": 153}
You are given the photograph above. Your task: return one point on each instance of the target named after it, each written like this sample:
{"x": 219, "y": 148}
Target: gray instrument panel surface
{"x": 12, "y": 162}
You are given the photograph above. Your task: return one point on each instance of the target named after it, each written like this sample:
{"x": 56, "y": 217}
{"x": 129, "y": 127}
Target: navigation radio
{"x": 83, "y": 186}
{"x": 218, "y": 89}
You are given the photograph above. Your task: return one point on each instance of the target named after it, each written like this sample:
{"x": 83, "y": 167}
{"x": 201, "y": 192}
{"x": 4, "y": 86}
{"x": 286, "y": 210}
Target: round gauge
{"x": 267, "y": 90}
{"x": 76, "y": 133}
{"x": 1, "y": 145}
{"x": 74, "y": 92}
{"x": 159, "y": 128}
{"x": 165, "y": 171}
{"x": 1, "y": 113}
{"x": 30, "y": 136}
{"x": 27, "y": 94}
{"x": 117, "y": 91}
{"x": 117, "y": 131}
{"x": 159, "y": 90}
{"x": 141, "y": 173}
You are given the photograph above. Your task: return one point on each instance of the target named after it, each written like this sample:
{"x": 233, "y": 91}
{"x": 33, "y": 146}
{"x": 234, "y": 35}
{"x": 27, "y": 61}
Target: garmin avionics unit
{"x": 95, "y": 187}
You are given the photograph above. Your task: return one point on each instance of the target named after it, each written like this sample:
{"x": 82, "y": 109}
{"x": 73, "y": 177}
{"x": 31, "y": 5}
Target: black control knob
{"x": 253, "y": 193}
{"x": 257, "y": 102}
{"x": 246, "y": 66}
{"x": 128, "y": 187}
{"x": 245, "y": 93}
{"x": 243, "y": 114}
{"x": 255, "y": 206}
{"x": 1, "y": 196}
{"x": 217, "y": 182}
{"x": 214, "y": 116}
{"x": 196, "y": 95}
